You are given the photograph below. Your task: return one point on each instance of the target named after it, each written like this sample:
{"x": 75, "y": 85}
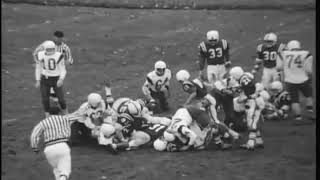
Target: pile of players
{"x": 125, "y": 124}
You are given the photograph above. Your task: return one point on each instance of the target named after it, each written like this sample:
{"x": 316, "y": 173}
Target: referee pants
{"x": 58, "y": 156}
{"x": 45, "y": 84}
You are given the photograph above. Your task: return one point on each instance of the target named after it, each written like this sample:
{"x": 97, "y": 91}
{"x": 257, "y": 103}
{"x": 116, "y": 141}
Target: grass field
{"x": 122, "y": 45}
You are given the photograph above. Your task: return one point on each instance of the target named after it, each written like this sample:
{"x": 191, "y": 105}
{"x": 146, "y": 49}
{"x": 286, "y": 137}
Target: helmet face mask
{"x": 270, "y": 39}
{"x": 49, "y": 47}
{"x": 213, "y": 37}
{"x": 160, "y": 71}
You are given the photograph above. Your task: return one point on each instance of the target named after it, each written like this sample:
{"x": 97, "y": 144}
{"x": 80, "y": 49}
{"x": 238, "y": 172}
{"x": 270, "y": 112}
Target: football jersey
{"x": 155, "y": 82}
{"x": 269, "y": 55}
{"x": 296, "y": 65}
{"x": 247, "y": 84}
{"x": 91, "y": 117}
{"x": 51, "y": 65}
{"x": 214, "y": 54}
{"x": 201, "y": 90}
{"x": 130, "y": 123}
{"x": 200, "y": 116}
{"x": 154, "y": 130}
{"x": 281, "y": 99}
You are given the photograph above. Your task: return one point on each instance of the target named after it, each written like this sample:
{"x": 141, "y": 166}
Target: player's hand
{"x": 59, "y": 83}
{"x": 37, "y": 85}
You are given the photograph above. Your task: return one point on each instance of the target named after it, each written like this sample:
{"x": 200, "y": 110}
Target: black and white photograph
{"x": 158, "y": 90}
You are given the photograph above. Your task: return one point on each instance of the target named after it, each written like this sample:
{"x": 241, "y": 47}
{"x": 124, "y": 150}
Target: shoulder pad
{"x": 202, "y": 46}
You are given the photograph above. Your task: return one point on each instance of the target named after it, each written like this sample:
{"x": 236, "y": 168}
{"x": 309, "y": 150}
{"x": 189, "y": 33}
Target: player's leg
{"x": 251, "y": 123}
{"x": 62, "y": 102}
{"x": 64, "y": 162}
{"x": 163, "y": 101}
{"x": 293, "y": 90}
{"x": 211, "y": 73}
{"x": 306, "y": 90}
{"x": 45, "y": 90}
{"x": 221, "y": 72}
{"x": 155, "y": 96}
{"x": 266, "y": 77}
{"x": 51, "y": 155}
{"x": 138, "y": 138}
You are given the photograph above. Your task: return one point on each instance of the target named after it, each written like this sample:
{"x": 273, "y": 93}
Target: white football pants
{"x": 58, "y": 156}
{"x": 268, "y": 76}
{"x": 215, "y": 72}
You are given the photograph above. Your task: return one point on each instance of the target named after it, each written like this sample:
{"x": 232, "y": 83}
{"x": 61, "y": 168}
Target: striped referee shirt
{"x": 55, "y": 129}
{"x": 62, "y": 48}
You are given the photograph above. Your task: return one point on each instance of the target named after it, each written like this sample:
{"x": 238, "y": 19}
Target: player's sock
{"x": 122, "y": 145}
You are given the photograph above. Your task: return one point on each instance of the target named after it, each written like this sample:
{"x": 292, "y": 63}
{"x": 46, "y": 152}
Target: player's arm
{"x": 258, "y": 61}
{"x": 145, "y": 88}
{"x": 35, "y": 137}
{"x": 202, "y": 57}
{"x": 190, "y": 98}
{"x": 36, "y": 51}
{"x": 38, "y": 71}
{"x": 226, "y": 48}
{"x": 308, "y": 64}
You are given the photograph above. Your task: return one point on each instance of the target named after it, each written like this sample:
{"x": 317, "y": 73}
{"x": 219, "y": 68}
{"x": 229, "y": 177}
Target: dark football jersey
{"x": 201, "y": 90}
{"x": 200, "y": 116}
{"x": 130, "y": 123}
{"x": 269, "y": 54}
{"x": 281, "y": 99}
{"x": 247, "y": 84}
{"x": 214, "y": 54}
{"x": 154, "y": 130}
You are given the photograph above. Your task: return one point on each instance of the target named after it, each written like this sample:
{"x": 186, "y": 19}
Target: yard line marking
{"x": 6, "y": 121}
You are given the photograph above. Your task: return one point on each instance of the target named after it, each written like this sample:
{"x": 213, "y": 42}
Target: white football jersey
{"x": 296, "y": 65}
{"x": 155, "y": 82}
{"x": 91, "y": 117}
{"x": 51, "y": 65}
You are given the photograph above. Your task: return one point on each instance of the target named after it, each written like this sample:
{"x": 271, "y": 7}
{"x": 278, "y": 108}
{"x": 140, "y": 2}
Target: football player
{"x": 50, "y": 72}
{"x": 136, "y": 133}
{"x": 195, "y": 88}
{"x": 157, "y": 84}
{"x": 279, "y": 105}
{"x": 92, "y": 115}
{"x": 215, "y": 53}
{"x": 249, "y": 102}
{"x": 267, "y": 54}
{"x": 296, "y": 64}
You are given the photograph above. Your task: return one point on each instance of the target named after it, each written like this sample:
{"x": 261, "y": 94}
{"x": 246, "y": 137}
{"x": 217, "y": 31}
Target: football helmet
{"x": 49, "y": 47}
{"x": 259, "y": 87}
{"x": 160, "y": 67}
{"x": 107, "y": 130}
{"x": 270, "y": 39}
{"x": 294, "y": 44}
{"x": 276, "y": 87}
{"x": 182, "y": 75}
{"x": 94, "y": 100}
{"x": 236, "y": 72}
{"x": 133, "y": 108}
{"x": 213, "y": 36}
{"x": 141, "y": 102}
{"x": 160, "y": 145}
{"x": 168, "y": 136}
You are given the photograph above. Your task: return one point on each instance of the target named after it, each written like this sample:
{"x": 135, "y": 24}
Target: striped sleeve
{"x": 202, "y": 47}
{"x": 35, "y": 136}
{"x": 225, "y": 44}
{"x": 67, "y": 53}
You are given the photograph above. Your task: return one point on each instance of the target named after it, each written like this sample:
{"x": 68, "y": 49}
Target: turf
{"x": 122, "y": 45}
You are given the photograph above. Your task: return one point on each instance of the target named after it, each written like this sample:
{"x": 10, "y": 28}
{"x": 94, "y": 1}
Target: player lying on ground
{"x": 156, "y": 86}
{"x": 279, "y": 105}
{"x": 192, "y": 129}
{"x": 251, "y": 103}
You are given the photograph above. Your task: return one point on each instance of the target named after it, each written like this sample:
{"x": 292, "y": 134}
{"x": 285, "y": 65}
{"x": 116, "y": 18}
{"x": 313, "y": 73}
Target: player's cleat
{"x": 299, "y": 121}
{"x": 225, "y": 146}
{"x": 247, "y": 147}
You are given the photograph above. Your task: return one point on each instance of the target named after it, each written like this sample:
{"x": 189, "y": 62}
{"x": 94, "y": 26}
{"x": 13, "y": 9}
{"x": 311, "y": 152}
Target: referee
{"x": 56, "y": 130}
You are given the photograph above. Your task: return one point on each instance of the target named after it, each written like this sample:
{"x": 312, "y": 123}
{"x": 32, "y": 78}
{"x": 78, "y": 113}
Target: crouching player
{"x": 251, "y": 103}
{"x": 156, "y": 87}
{"x": 91, "y": 113}
{"x": 279, "y": 105}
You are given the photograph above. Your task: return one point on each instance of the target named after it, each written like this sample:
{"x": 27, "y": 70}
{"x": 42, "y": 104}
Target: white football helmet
{"x": 213, "y": 35}
{"x": 270, "y": 39}
{"x": 160, "y": 145}
{"x": 94, "y": 99}
{"x": 168, "y": 136}
{"x": 259, "y": 87}
{"x": 49, "y": 47}
{"x": 294, "y": 44}
{"x": 160, "y": 67}
{"x": 276, "y": 86}
{"x": 134, "y": 108}
{"x": 107, "y": 130}
{"x": 236, "y": 72}
{"x": 182, "y": 75}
